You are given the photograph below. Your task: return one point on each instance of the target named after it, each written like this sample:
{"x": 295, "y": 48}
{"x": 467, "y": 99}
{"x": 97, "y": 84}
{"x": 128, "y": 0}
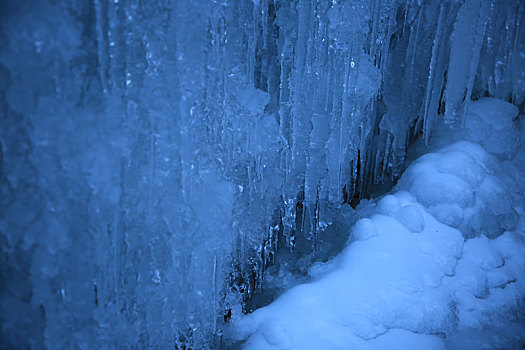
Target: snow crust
{"x": 438, "y": 263}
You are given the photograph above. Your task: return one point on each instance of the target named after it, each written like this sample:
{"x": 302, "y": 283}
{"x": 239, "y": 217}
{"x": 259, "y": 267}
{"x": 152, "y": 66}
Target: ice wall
{"x": 156, "y": 156}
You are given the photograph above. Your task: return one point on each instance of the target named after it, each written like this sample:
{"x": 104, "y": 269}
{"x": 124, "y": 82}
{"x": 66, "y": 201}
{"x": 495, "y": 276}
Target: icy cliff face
{"x": 156, "y": 155}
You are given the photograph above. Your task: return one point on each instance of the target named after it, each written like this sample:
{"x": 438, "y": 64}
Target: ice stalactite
{"x": 158, "y": 157}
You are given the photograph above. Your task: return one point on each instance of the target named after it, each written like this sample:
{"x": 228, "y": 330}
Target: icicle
{"x": 102, "y": 52}
{"x": 465, "y": 47}
{"x": 432, "y": 72}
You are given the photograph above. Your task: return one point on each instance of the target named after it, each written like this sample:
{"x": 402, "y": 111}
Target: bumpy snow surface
{"x": 438, "y": 263}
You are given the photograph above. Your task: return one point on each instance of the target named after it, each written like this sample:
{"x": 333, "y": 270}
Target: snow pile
{"x": 490, "y": 122}
{"x": 408, "y": 278}
{"x": 458, "y": 185}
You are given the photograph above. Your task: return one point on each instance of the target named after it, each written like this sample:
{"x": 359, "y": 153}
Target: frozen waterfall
{"x": 169, "y": 166}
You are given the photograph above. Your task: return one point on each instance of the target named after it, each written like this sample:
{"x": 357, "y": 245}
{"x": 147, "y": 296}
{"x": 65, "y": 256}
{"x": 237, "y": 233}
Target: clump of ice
{"x": 389, "y": 205}
{"x": 364, "y": 229}
{"x": 458, "y": 186}
{"x": 412, "y": 218}
{"x": 490, "y": 122}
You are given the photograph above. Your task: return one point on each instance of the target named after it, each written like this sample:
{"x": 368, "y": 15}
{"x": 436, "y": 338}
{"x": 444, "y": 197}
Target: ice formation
{"x": 408, "y": 279}
{"x": 167, "y": 166}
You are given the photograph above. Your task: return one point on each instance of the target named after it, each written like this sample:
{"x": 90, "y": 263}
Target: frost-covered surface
{"x": 158, "y": 156}
{"x": 438, "y": 263}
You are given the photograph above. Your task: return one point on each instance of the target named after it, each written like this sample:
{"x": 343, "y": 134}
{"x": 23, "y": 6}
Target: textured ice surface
{"x": 159, "y": 158}
{"x": 408, "y": 279}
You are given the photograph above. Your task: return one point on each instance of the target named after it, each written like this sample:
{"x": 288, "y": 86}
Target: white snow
{"x": 438, "y": 263}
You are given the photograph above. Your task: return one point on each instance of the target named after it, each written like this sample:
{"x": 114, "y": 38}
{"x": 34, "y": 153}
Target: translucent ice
{"x": 162, "y": 161}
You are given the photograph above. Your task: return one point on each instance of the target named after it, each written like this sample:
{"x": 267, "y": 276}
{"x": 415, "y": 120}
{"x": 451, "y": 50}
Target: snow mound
{"x": 458, "y": 186}
{"x": 438, "y": 263}
{"x": 489, "y": 121}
